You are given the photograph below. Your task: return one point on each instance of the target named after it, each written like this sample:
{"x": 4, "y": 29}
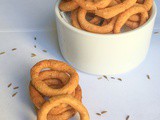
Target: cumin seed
{"x": 44, "y": 50}
{"x": 127, "y": 118}
{"x": 99, "y": 78}
{"x": 35, "y": 46}
{"x": 98, "y": 114}
{"x": 15, "y": 88}
{"x": 9, "y": 85}
{"x": 33, "y": 55}
{"x": 1, "y": 53}
{"x": 148, "y": 77}
{"x": 105, "y": 77}
{"x": 156, "y": 32}
{"x": 14, "y": 49}
{"x": 103, "y": 112}
{"x": 35, "y": 38}
{"x": 14, "y": 94}
{"x": 120, "y": 79}
{"x": 112, "y": 77}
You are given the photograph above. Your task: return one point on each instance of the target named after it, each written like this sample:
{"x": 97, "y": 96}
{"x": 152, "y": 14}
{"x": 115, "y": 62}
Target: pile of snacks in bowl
{"x": 107, "y": 16}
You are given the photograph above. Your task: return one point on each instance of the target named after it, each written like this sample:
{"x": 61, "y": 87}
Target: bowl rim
{"x": 57, "y": 13}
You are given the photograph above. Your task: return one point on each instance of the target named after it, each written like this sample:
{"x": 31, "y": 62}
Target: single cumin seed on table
{"x": 112, "y": 77}
{"x": 103, "y": 112}
{"x": 98, "y": 114}
{"x": 44, "y": 50}
{"x": 156, "y": 32}
{"x": 120, "y": 79}
{"x": 35, "y": 38}
{"x": 127, "y": 118}
{"x": 35, "y": 46}
{"x": 148, "y": 77}
{"x": 33, "y": 55}
{"x": 15, "y": 88}
{"x": 99, "y": 78}
{"x": 14, "y": 94}
{"x": 1, "y": 53}
{"x": 105, "y": 77}
{"x": 9, "y": 85}
{"x": 14, "y": 49}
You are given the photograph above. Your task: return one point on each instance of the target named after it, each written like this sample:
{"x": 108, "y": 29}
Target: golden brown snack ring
{"x": 38, "y": 99}
{"x": 63, "y": 116}
{"x": 67, "y": 99}
{"x": 135, "y": 18}
{"x": 59, "y": 67}
{"x": 132, "y": 24}
{"x": 74, "y": 19}
{"x": 90, "y": 5}
{"x": 91, "y": 27}
{"x": 115, "y": 10}
{"x": 131, "y": 11}
{"x": 68, "y": 5}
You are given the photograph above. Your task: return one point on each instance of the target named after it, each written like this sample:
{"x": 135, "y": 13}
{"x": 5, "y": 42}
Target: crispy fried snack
{"x": 90, "y": 5}
{"x": 38, "y": 99}
{"x": 148, "y": 4}
{"x": 74, "y": 19}
{"x": 92, "y": 27}
{"x": 67, "y": 99}
{"x": 68, "y": 5}
{"x": 115, "y": 10}
{"x": 135, "y": 18}
{"x": 37, "y": 78}
{"x": 132, "y": 25}
{"x": 131, "y": 11}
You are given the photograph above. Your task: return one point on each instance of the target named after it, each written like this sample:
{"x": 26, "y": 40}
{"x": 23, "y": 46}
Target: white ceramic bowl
{"x": 101, "y": 53}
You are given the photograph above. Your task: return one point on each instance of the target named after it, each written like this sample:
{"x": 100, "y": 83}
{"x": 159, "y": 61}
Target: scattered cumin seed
{"x": 14, "y": 49}
{"x": 33, "y": 55}
{"x": 98, "y": 114}
{"x": 44, "y": 50}
{"x": 103, "y": 112}
{"x": 35, "y": 46}
{"x": 99, "y": 78}
{"x": 156, "y": 32}
{"x": 127, "y": 118}
{"x": 15, "y": 88}
{"x": 112, "y": 77}
{"x": 105, "y": 77}
{"x": 14, "y": 94}
{"x": 35, "y": 38}
{"x": 9, "y": 85}
{"x": 148, "y": 77}
{"x": 120, "y": 79}
{"x": 1, "y": 53}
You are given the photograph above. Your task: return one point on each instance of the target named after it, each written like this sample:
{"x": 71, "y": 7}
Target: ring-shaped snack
{"x": 37, "y": 78}
{"x": 67, "y": 99}
{"x": 131, "y": 11}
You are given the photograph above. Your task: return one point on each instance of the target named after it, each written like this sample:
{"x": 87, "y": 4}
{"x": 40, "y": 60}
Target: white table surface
{"x": 135, "y": 95}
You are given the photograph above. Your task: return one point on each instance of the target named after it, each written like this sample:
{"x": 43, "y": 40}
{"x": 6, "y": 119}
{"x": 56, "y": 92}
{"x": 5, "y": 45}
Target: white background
{"x": 22, "y": 20}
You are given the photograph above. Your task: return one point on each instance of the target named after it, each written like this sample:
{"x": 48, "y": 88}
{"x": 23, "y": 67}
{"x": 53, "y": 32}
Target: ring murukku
{"x": 115, "y": 10}
{"x": 91, "y": 27}
{"x": 68, "y": 5}
{"x": 38, "y": 83}
{"x": 67, "y": 99}
{"x": 74, "y": 19}
{"x": 132, "y": 25}
{"x": 135, "y": 18}
{"x": 131, "y": 11}
{"x": 38, "y": 100}
{"x": 91, "y": 5}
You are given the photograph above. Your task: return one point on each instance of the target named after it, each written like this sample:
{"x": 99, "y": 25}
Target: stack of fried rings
{"x": 51, "y": 79}
{"x": 107, "y": 16}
